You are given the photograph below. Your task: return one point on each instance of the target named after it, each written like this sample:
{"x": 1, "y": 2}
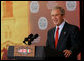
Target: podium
{"x": 26, "y": 52}
{"x": 33, "y": 53}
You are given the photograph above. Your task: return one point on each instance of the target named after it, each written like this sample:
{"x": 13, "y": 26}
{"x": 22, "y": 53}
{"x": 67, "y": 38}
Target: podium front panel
{"x": 26, "y": 51}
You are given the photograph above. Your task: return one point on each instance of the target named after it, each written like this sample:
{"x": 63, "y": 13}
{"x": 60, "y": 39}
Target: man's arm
{"x": 47, "y": 41}
{"x": 75, "y": 39}
{"x": 75, "y": 42}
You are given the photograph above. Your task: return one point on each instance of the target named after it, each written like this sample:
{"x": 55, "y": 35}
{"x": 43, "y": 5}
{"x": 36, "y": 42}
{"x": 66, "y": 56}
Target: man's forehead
{"x": 55, "y": 11}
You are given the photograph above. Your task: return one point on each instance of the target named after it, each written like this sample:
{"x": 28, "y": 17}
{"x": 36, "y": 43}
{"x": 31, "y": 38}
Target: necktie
{"x": 56, "y": 36}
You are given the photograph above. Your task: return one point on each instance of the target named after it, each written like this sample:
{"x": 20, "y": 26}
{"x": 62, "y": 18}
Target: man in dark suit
{"x": 64, "y": 37}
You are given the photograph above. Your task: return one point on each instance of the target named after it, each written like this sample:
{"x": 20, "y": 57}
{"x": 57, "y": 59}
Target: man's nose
{"x": 55, "y": 17}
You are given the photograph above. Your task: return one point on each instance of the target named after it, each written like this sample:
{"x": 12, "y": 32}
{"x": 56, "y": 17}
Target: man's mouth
{"x": 55, "y": 20}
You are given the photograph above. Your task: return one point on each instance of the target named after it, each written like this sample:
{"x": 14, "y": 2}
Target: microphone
{"x": 29, "y": 37}
{"x": 32, "y": 38}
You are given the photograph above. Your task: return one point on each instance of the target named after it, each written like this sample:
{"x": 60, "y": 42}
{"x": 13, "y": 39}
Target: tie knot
{"x": 57, "y": 28}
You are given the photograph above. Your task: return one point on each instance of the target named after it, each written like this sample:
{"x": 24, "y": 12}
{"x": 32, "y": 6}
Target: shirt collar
{"x": 61, "y": 25}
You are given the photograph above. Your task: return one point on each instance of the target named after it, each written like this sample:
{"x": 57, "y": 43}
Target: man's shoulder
{"x": 71, "y": 26}
{"x": 51, "y": 29}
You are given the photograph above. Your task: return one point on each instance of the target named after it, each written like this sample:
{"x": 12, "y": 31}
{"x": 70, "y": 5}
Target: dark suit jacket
{"x": 69, "y": 39}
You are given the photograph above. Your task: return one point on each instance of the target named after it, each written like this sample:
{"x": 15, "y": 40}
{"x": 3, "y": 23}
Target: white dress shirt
{"x": 60, "y": 28}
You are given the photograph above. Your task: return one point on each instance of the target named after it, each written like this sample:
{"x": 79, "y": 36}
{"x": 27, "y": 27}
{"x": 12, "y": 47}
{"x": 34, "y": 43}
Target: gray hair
{"x": 60, "y": 8}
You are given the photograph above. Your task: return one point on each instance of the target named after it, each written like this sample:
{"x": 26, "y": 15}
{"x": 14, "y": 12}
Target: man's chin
{"x": 56, "y": 24}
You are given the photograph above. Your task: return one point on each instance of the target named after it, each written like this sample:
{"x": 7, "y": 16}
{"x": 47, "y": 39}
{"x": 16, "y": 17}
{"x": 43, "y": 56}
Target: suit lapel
{"x": 53, "y": 39}
{"x": 62, "y": 35}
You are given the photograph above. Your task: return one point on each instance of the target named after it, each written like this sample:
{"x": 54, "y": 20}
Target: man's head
{"x": 57, "y": 15}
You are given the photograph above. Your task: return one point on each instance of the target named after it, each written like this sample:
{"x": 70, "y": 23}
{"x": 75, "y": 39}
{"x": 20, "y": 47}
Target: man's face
{"x": 56, "y": 17}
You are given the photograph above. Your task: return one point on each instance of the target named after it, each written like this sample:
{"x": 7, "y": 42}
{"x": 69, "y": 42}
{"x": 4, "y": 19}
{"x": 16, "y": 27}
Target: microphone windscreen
{"x": 26, "y": 39}
{"x": 35, "y": 36}
{"x": 31, "y": 35}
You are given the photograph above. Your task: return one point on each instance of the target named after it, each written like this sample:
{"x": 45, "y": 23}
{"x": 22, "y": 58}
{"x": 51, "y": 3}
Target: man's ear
{"x": 63, "y": 16}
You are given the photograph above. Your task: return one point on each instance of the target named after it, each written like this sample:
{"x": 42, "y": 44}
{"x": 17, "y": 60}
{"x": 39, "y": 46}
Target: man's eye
{"x": 56, "y": 14}
{"x": 52, "y": 15}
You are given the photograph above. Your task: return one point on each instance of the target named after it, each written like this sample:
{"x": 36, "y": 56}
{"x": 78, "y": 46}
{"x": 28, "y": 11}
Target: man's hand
{"x": 67, "y": 53}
